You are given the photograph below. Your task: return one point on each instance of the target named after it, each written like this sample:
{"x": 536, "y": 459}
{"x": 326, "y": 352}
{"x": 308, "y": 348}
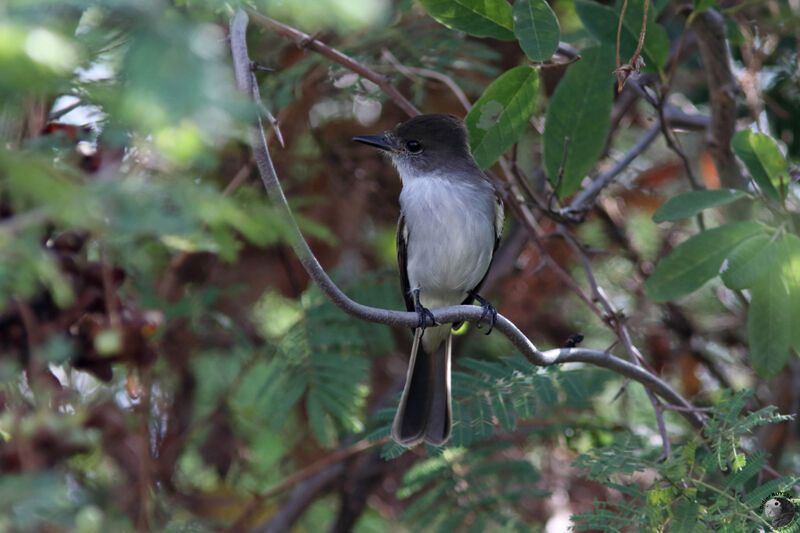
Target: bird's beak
{"x": 377, "y": 141}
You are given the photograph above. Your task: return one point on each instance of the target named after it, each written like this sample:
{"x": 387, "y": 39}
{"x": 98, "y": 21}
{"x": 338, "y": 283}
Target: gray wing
{"x": 499, "y": 219}
{"x": 402, "y": 261}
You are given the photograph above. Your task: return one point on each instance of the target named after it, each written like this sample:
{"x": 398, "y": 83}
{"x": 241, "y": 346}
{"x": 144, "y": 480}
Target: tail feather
{"x": 440, "y": 419}
{"x": 425, "y": 411}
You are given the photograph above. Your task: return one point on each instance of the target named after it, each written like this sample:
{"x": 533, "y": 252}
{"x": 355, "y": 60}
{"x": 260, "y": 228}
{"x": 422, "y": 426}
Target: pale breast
{"x": 451, "y": 237}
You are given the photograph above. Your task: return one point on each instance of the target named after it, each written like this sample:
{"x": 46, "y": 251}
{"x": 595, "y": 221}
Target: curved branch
{"x": 457, "y": 313}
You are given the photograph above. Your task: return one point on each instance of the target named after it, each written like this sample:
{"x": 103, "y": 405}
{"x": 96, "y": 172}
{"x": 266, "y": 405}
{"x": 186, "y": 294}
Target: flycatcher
{"x": 449, "y": 228}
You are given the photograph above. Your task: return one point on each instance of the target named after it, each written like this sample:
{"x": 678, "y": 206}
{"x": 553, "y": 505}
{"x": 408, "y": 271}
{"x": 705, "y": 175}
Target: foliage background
{"x": 167, "y": 366}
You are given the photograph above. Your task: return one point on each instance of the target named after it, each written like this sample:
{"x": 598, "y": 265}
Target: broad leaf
{"x": 689, "y": 204}
{"x": 536, "y": 28}
{"x": 481, "y": 18}
{"x": 789, "y": 257}
{"x": 696, "y": 260}
{"x": 769, "y": 324}
{"x": 578, "y": 119}
{"x": 602, "y": 22}
{"x": 748, "y": 262}
{"x": 500, "y": 115}
{"x": 763, "y": 160}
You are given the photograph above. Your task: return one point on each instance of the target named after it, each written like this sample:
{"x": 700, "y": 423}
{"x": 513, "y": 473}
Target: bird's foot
{"x": 422, "y": 312}
{"x": 488, "y": 309}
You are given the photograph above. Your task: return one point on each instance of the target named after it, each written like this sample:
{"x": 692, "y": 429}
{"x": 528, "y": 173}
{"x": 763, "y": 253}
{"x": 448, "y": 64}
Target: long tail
{"x": 425, "y": 411}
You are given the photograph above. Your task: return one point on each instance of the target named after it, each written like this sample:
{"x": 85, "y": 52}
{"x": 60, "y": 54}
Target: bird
{"x": 451, "y": 218}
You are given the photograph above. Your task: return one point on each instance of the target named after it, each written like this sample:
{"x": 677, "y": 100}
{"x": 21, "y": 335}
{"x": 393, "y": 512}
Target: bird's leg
{"x": 422, "y": 312}
{"x": 488, "y": 309}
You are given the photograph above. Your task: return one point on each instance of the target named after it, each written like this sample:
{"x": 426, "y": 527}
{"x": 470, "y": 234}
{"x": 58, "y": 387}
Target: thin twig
{"x": 335, "y": 457}
{"x": 619, "y": 36}
{"x": 560, "y": 175}
{"x": 304, "y": 40}
{"x": 662, "y": 427}
{"x": 643, "y": 30}
{"x": 266, "y": 112}
{"x": 695, "y": 409}
{"x": 239, "y": 178}
{"x": 427, "y": 73}
{"x": 658, "y": 103}
{"x": 585, "y": 198}
{"x": 636, "y": 62}
{"x": 614, "y": 320}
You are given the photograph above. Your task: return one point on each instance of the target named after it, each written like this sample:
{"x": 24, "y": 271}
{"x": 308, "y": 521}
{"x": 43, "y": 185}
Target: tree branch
{"x": 303, "y": 40}
{"x": 444, "y": 315}
{"x": 314, "y": 468}
{"x": 585, "y": 198}
{"x": 710, "y": 29}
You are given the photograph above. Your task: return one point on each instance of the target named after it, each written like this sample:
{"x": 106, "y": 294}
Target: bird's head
{"x": 426, "y": 144}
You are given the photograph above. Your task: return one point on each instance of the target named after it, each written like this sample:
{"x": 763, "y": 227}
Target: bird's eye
{"x": 414, "y": 147}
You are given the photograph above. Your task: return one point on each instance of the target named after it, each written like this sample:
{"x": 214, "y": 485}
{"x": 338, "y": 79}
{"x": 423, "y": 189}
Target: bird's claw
{"x": 488, "y": 309}
{"x": 422, "y": 312}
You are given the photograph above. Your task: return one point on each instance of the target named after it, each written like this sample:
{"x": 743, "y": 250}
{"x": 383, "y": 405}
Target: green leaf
{"x": 462, "y": 420}
{"x": 689, "y": 204}
{"x": 753, "y": 466}
{"x": 503, "y": 410}
{"x": 755, "y": 498}
{"x": 696, "y": 260}
{"x": 500, "y": 115}
{"x": 536, "y": 28}
{"x": 748, "y": 262}
{"x": 579, "y": 111}
{"x": 602, "y": 22}
{"x": 318, "y": 421}
{"x": 763, "y": 160}
{"x": 769, "y": 324}
{"x": 481, "y": 18}
{"x": 788, "y": 254}
{"x": 685, "y": 517}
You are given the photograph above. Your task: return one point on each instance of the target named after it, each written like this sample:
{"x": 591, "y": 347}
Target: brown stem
{"x": 710, "y": 29}
{"x": 335, "y": 457}
{"x": 619, "y": 35}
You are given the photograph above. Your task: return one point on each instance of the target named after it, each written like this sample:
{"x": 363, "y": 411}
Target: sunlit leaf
{"x": 500, "y": 115}
{"x": 748, "y": 262}
{"x": 769, "y": 324}
{"x": 481, "y": 18}
{"x": 788, "y": 253}
{"x": 696, "y": 260}
{"x": 764, "y": 161}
